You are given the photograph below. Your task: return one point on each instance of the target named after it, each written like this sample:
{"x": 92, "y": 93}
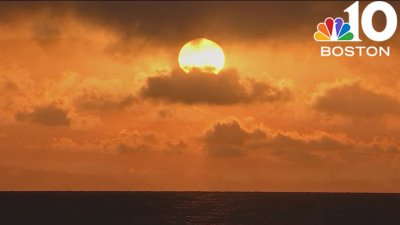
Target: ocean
{"x": 197, "y": 208}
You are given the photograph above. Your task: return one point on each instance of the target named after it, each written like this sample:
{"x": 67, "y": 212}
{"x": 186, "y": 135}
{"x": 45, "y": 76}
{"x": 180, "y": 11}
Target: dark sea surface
{"x": 205, "y": 208}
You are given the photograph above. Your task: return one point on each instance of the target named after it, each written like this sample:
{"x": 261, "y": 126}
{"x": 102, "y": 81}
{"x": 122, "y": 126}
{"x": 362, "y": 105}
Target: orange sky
{"x": 91, "y": 98}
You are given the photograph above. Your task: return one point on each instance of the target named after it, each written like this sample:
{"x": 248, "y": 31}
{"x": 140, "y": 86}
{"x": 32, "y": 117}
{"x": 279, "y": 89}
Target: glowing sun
{"x": 203, "y": 55}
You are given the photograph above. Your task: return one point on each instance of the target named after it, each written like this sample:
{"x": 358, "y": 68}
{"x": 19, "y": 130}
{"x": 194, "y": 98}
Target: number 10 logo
{"x": 337, "y": 30}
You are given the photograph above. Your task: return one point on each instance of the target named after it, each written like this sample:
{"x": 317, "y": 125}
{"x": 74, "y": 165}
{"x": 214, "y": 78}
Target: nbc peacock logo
{"x": 333, "y": 30}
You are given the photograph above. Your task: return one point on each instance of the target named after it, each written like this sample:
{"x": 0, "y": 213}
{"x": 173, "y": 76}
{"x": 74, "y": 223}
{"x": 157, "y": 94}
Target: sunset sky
{"x": 92, "y": 98}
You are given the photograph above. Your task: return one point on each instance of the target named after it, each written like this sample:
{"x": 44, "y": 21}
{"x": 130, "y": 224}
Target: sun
{"x": 203, "y": 55}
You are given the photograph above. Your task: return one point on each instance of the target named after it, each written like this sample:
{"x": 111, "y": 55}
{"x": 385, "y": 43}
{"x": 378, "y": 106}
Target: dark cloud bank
{"x": 103, "y": 102}
{"x": 356, "y": 100}
{"x": 48, "y": 115}
{"x": 223, "y": 89}
{"x": 229, "y": 138}
{"x": 177, "y": 22}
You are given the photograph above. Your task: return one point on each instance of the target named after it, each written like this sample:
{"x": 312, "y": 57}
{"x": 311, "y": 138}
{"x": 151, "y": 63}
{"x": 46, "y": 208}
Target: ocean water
{"x": 205, "y": 208}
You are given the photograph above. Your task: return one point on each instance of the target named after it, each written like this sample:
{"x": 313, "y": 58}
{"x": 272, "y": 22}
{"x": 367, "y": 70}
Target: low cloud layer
{"x": 48, "y": 115}
{"x": 356, "y": 100}
{"x": 94, "y": 93}
{"x": 223, "y": 89}
{"x": 229, "y": 138}
{"x": 124, "y": 142}
{"x": 103, "y": 102}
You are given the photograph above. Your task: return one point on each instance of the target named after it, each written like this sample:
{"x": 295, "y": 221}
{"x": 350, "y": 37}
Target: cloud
{"x": 46, "y": 32}
{"x": 127, "y": 141}
{"x": 131, "y": 141}
{"x": 182, "y": 21}
{"x": 223, "y": 89}
{"x": 229, "y": 138}
{"x": 90, "y": 93}
{"x": 8, "y": 86}
{"x": 52, "y": 102}
{"x": 165, "y": 113}
{"x": 178, "y": 22}
{"x": 93, "y": 101}
{"x": 15, "y": 86}
{"x": 49, "y": 115}
{"x": 353, "y": 99}
{"x": 124, "y": 142}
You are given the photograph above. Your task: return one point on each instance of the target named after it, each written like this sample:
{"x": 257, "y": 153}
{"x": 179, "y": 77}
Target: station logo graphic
{"x": 338, "y": 31}
{"x": 333, "y": 30}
